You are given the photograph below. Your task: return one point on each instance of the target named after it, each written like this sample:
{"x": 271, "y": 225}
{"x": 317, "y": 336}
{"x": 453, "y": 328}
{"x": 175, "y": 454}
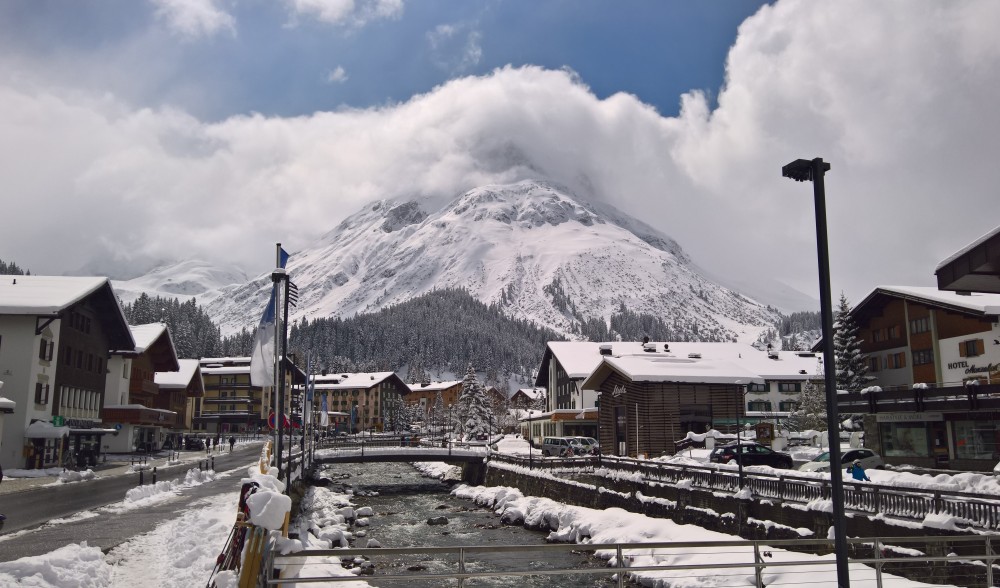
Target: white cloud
{"x": 347, "y": 12}
{"x": 337, "y": 76}
{"x": 455, "y": 48}
{"x": 194, "y": 18}
{"x": 899, "y": 98}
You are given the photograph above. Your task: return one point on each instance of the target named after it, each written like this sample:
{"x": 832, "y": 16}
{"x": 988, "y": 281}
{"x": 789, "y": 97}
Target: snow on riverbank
{"x": 575, "y": 524}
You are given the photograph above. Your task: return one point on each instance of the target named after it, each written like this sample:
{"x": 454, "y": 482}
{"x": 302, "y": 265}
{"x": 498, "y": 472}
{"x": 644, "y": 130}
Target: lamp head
{"x": 801, "y": 170}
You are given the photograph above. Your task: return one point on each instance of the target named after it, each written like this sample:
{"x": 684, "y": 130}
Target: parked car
{"x": 561, "y": 447}
{"x": 821, "y": 463}
{"x": 590, "y": 445}
{"x": 748, "y": 454}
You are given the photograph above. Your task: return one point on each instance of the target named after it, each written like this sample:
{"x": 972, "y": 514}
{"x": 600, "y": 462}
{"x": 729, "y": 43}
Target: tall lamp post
{"x": 803, "y": 170}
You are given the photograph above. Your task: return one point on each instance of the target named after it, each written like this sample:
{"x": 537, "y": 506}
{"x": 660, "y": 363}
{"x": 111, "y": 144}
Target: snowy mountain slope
{"x": 531, "y": 247}
{"x": 185, "y": 280}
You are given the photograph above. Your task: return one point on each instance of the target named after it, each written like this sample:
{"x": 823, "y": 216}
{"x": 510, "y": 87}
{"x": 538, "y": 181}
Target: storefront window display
{"x": 976, "y": 439}
{"x": 905, "y": 439}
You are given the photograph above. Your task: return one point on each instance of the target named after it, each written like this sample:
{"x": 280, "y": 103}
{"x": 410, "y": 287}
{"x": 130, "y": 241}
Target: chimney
{"x": 649, "y": 347}
{"x": 605, "y": 349}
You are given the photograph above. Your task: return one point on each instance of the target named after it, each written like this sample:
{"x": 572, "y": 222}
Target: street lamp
{"x": 802, "y": 170}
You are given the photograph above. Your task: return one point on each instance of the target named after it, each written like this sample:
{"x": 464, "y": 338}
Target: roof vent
{"x": 694, "y": 356}
{"x": 649, "y": 347}
{"x": 806, "y": 354}
{"x": 802, "y": 371}
{"x": 666, "y": 347}
{"x": 343, "y": 376}
{"x": 605, "y": 349}
{"x": 772, "y": 355}
{"x": 373, "y": 377}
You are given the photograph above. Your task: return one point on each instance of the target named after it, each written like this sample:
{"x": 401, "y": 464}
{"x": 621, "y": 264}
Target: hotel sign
{"x": 618, "y": 391}
{"x": 909, "y": 417}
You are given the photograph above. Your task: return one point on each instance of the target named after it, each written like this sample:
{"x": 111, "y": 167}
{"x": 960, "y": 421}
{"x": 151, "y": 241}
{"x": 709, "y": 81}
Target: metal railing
{"x": 964, "y": 561}
{"x": 978, "y": 511}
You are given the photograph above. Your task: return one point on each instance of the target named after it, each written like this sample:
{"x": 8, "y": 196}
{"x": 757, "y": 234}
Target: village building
{"x": 176, "y": 388}
{"x": 525, "y": 398}
{"x": 55, "y": 333}
{"x": 131, "y": 393}
{"x": 934, "y": 363}
{"x": 232, "y": 404}
{"x": 364, "y": 398}
{"x": 425, "y": 394}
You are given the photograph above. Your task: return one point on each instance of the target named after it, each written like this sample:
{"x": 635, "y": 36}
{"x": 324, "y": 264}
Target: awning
{"x": 45, "y": 430}
{"x": 92, "y": 431}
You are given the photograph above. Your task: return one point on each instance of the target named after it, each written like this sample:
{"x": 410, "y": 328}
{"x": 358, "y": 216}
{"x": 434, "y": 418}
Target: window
{"x": 896, "y": 361}
{"x": 923, "y": 356}
{"x": 757, "y": 388}
{"x": 920, "y": 325}
{"x": 759, "y": 405}
{"x": 971, "y": 348}
{"x": 90, "y": 362}
{"x": 877, "y": 335}
{"x": 788, "y": 406}
{"x": 45, "y": 350}
{"x": 789, "y": 387}
{"x": 874, "y": 364}
{"x": 41, "y": 393}
{"x": 894, "y": 332}
{"x": 79, "y": 359}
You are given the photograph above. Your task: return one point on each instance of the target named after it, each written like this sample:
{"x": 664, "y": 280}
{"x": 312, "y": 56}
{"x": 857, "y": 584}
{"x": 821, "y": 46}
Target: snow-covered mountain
{"x": 531, "y": 247}
{"x": 185, "y": 280}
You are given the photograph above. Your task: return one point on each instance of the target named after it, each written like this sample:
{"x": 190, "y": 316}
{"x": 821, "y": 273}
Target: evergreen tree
{"x": 851, "y": 367}
{"x": 437, "y": 412}
{"x": 11, "y": 269}
{"x": 811, "y": 412}
{"x": 474, "y": 414}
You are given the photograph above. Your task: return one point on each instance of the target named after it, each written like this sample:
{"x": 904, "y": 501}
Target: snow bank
{"x": 268, "y": 509}
{"x": 72, "y": 566}
{"x": 66, "y": 476}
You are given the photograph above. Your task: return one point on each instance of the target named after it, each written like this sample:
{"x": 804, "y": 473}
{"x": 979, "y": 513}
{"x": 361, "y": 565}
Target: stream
{"x": 403, "y": 500}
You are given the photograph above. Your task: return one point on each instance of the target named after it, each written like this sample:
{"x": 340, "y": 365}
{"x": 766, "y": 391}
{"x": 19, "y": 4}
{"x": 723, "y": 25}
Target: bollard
{"x": 140, "y": 477}
{"x": 213, "y": 463}
{"x": 200, "y": 468}
{"x": 154, "y": 475}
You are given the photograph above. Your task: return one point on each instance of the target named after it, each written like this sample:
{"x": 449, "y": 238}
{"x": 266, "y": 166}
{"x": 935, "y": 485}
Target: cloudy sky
{"x": 133, "y": 131}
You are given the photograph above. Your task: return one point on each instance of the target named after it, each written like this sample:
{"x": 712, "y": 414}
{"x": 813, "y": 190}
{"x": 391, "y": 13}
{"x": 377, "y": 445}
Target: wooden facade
{"x": 648, "y": 418}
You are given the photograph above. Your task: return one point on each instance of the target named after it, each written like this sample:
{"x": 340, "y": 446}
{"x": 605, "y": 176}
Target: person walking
{"x": 232, "y": 442}
{"x": 857, "y": 471}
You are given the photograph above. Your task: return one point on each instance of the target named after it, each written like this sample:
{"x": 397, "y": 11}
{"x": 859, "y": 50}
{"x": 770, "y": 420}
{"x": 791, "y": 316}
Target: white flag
{"x": 262, "y": 358}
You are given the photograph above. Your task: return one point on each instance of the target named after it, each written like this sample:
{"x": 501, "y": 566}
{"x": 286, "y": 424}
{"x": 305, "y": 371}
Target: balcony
{"x": 946, "y": 398}
{"x": 228, "y": 400}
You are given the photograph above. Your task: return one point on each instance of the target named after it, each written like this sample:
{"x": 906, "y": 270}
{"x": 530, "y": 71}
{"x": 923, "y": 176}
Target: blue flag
{"x": 262, "y": 357}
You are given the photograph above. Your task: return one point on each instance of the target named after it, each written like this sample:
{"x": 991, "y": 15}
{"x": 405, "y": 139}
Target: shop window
{"x": 904, "y": 439}
{"x": 976, "y": 439}
{"x": 971, "y": 348}
{"x": 923, "y": 356}
{"x": 920, "y": 325}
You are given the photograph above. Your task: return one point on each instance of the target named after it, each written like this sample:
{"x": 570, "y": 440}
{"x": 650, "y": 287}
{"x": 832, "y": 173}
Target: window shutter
{"x": 902, "y": 360}
{"x": 980, "y": 347}
{"x": 961, "y": 350}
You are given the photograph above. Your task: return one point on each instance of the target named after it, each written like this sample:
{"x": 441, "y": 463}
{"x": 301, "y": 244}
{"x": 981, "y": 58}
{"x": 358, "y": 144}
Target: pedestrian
{"x": 857, "y": 471}
{"x": 232, "y": 442}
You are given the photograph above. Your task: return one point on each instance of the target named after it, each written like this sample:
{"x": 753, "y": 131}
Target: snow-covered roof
{"x": 433, "y": 386}
{"x": 350, "y": 381}
{"x": 774, "y": 365}
{"x": 968, "y": 248}
{"x": 7, "y": 404}
{"x": 45, "y": 294}
{"x": 532, "y": 393}
{"x": 146, "y": 335}
{"x": 45, "y": 430}
{"x": 179, "y": 379}
{"x": 663, "y": 368}
{"x": 139, "y": 407}
{"x": 207, "y": 360}
{"x": 975, "y": 302}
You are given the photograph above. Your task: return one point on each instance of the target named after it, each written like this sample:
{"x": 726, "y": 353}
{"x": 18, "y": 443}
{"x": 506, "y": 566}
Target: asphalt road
{"x": 27, "y": 512}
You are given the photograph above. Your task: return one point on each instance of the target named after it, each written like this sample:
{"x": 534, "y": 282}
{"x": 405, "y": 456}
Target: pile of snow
{"x": 71, "y": 476}
{"x": 439, "y": 470}
{"x": 72, "y": 566}
{"x": 16, "y": 473}
{"x": 575, "y": 524}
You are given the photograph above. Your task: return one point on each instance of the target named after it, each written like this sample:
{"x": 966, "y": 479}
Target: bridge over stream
{"x": 404, "y": 449}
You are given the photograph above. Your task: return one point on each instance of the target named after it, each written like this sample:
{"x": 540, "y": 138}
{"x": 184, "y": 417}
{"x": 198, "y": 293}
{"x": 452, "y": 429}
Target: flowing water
{"x": 403, "y": 501}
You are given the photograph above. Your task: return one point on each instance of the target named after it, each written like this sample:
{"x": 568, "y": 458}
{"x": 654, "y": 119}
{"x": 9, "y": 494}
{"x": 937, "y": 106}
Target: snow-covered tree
{"x": 852, "y": 370}
{"x": 473, "y": 407}
{"x": 811, "y": 413}
{"x": 437, "y": 414}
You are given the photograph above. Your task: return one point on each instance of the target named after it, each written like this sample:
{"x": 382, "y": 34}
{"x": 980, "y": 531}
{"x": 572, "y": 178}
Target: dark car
{"x": 750, "y": 454}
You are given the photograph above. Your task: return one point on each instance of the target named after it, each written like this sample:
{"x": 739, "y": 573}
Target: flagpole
{"x": 278, "y": 401}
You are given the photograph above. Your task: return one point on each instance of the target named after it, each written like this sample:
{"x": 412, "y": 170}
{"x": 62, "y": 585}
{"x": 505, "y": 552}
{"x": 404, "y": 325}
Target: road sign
{"x": 118, "y": 426}
{"x": 58, "y": 421}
